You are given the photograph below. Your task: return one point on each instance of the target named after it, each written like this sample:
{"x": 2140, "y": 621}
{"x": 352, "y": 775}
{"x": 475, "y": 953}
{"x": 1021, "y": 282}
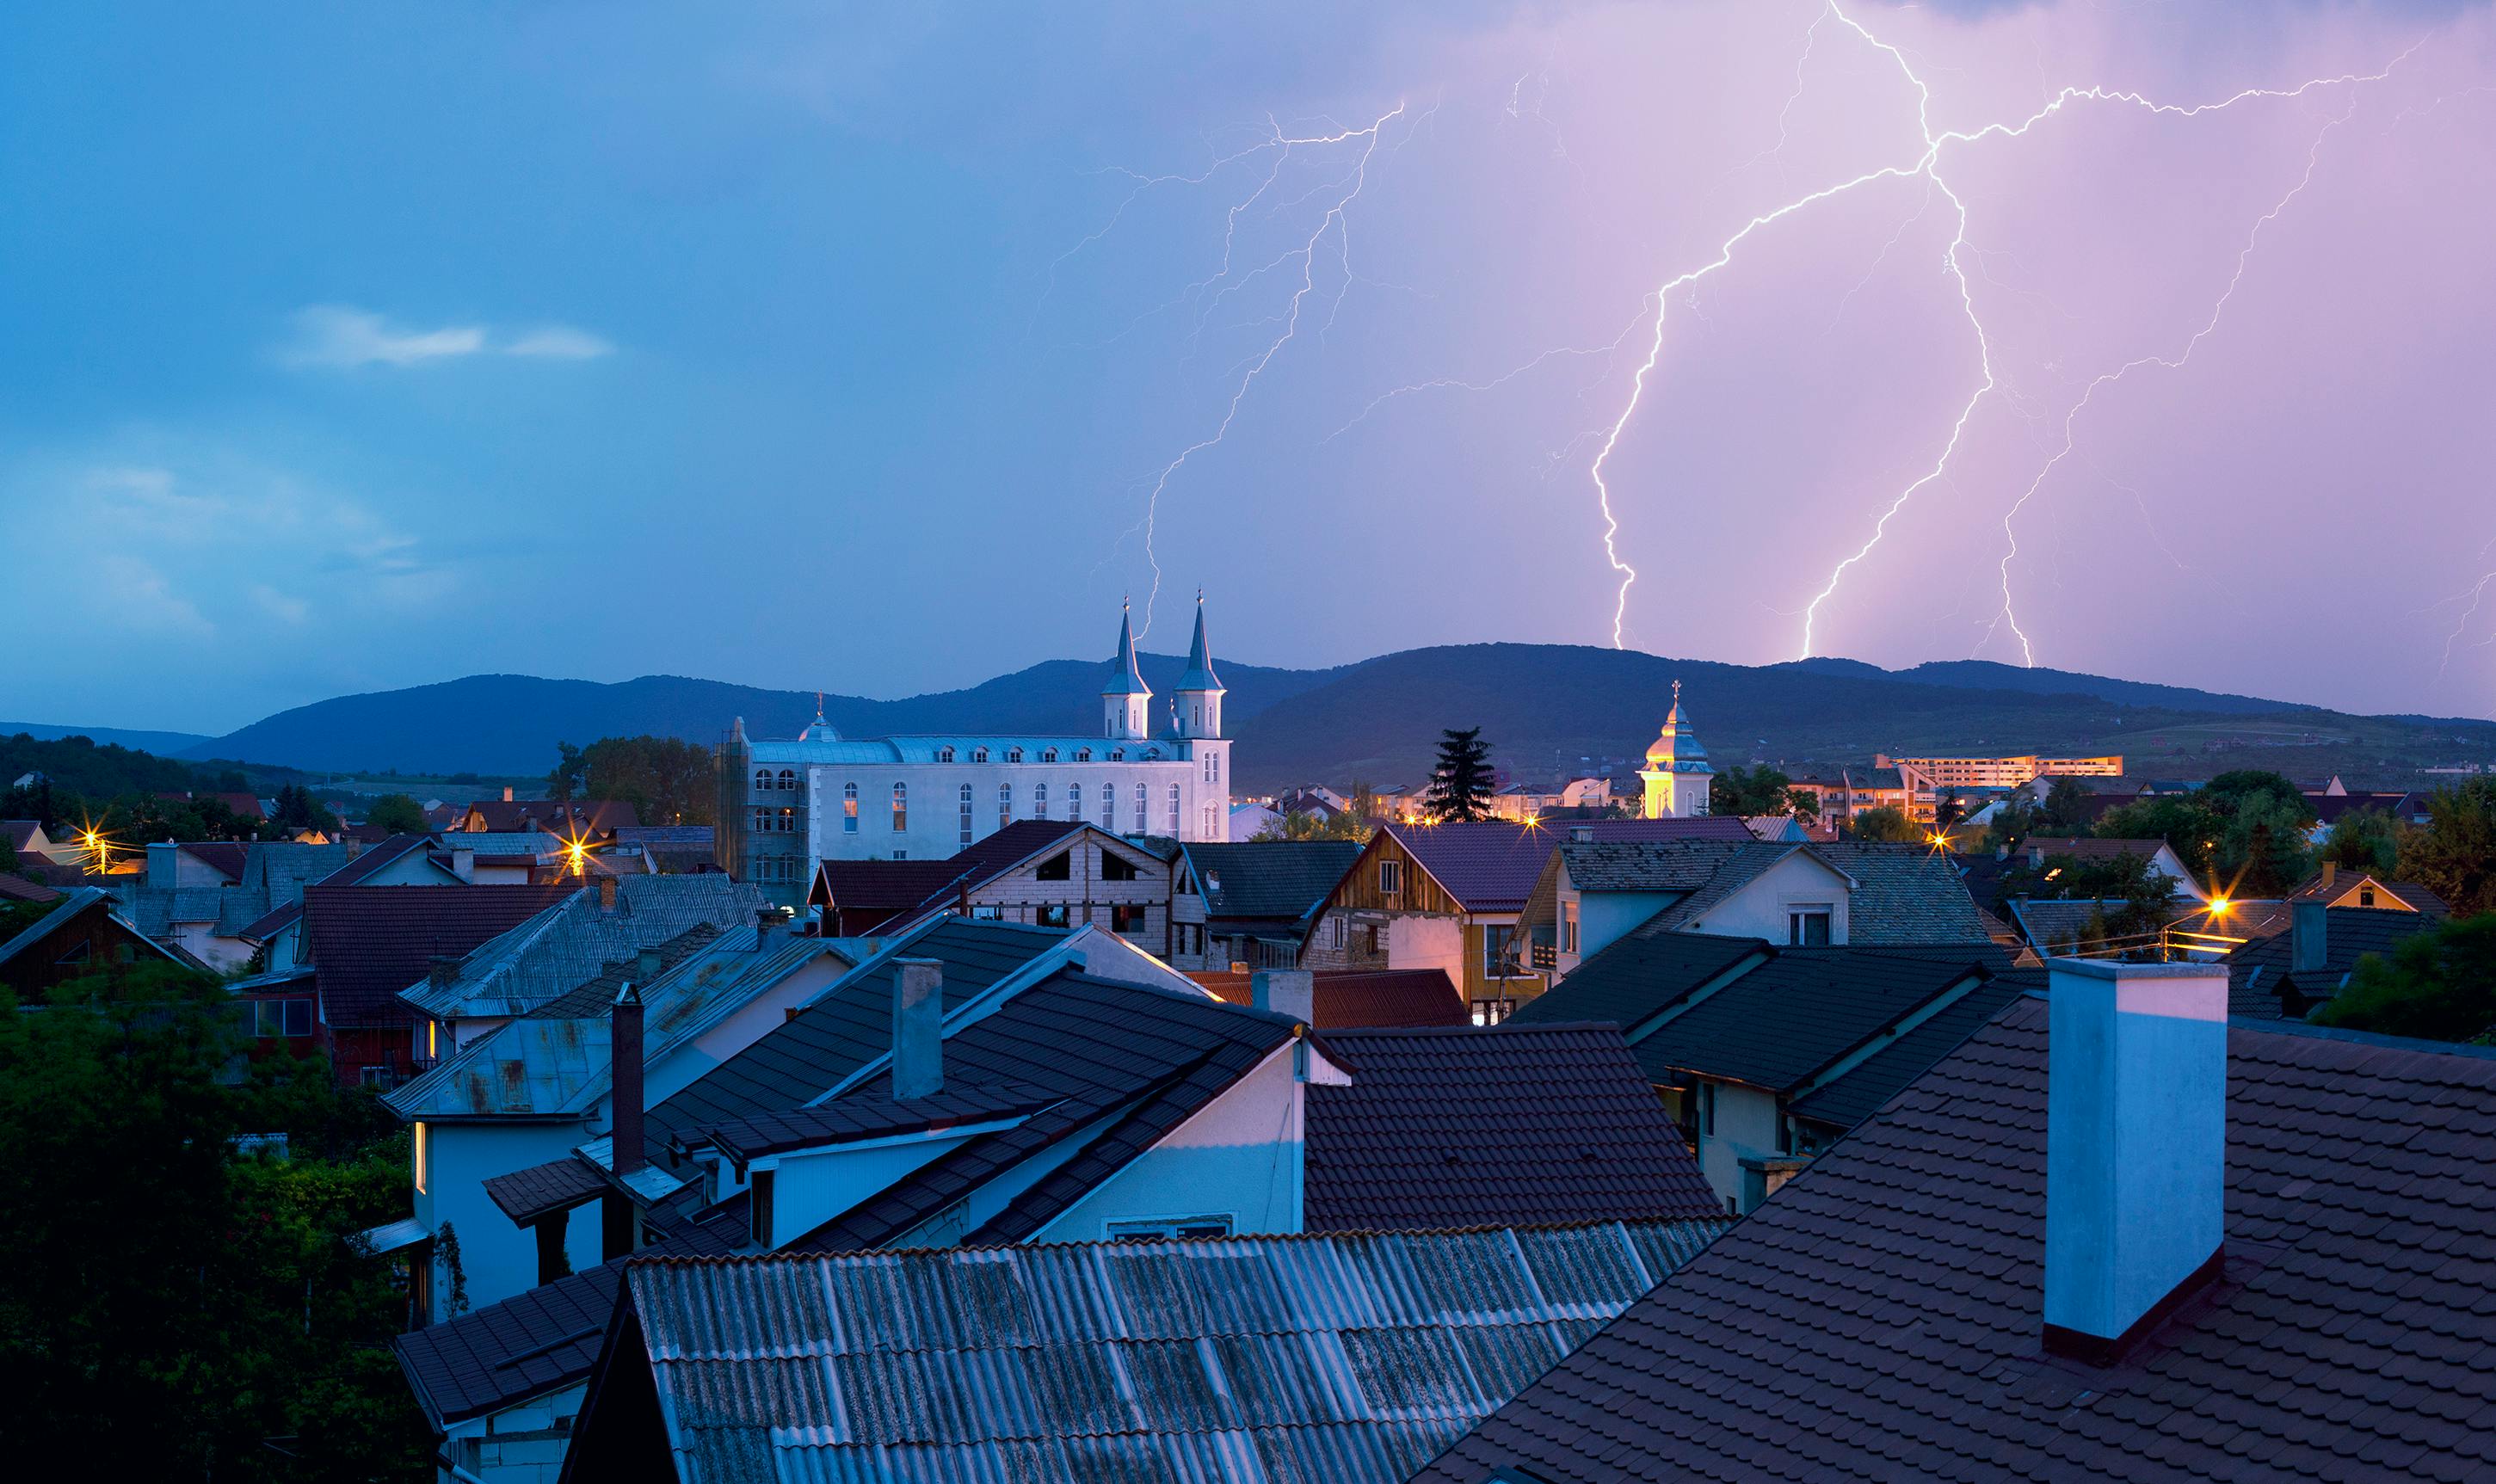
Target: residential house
{"x": 366, "y": 944}
{"x": 531, "y": 857}
{"x": 26, "y": 838}
{"x": 670, "y": 849}
{"x": 1766, "y": 1053}
{"x": 1250, "y": 819}
{"x": 540, "y": 1089}
{"x": 2333, "y": 887}
{"x": 2285, "y": 976}
{"x": 2090, "y": 851}
{"x": 2287, "y": 1273}
{"x": 1162, "y": 1360}
{"x": 1850, "y": 791}
{"x": 241, "y": 805}
{"x": 17, "y": 888}
{"x": 276, "y": 880}
{"x": 594, "y": 820}
{"x": 1248, "y": 906}
{"x": 1050, "y": 872}
{"x": 84, "y": 932}
{"x": 1356, "y": 999}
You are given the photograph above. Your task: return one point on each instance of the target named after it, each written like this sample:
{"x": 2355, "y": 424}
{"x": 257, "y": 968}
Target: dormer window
{"x": 1014, "y": 754}
{"x": 1083, "y": 754}
{"x": 978, "y": 754}
{"x": 944, "y": 755}
{"x": 1152, "y": 755}
{"x": 1118, "y": 755}
{"x": 1049, "y": 755}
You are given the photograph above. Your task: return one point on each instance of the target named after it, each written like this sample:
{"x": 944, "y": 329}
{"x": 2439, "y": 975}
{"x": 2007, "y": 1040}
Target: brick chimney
{"x": 506, "y": 793}
{"x": 607, "y": 893}
{"x": 624, "y": 1047}
{"x": 1292, "y": 991}
{"x": 2309, "y": 937}
{"x": 2330, "y": 873}
{"x": 2135, "y": 1146}
{"x": 917, "y": 1027}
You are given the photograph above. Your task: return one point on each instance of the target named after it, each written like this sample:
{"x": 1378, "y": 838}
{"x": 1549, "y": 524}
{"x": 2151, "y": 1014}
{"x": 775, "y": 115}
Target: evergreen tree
{"x": 1460, "y": 786}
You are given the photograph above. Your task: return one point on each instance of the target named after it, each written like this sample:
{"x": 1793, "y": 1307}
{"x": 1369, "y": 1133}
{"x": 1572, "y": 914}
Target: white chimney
{"x": 1289, "y": 992}
{"x": 463, "y": 863}
{"x": 2309, "y": 940}
{"x": 2135, "y": 1145}
{"x": 917, "y": 1027}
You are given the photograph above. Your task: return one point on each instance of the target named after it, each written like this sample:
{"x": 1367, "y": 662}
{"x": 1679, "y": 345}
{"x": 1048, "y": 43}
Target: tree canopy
{"x": 398, "y": 813}
{"x": 666, "y": 780}
{"x": 2439, "y": 985}
{"x": 1886, "y": 824}
{"x": 1755, "y": 792}
{"x": 2455, "y": 855}
{"x": 2245, "y": 831}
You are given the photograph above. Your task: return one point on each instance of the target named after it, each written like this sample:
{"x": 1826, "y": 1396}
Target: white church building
{"x": 827, "y": 797}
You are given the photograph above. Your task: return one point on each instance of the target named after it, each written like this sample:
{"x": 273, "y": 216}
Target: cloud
{"x": 279, "y": 606}
{"x": 129, "y": 591}
{"x": 343, "y": 337}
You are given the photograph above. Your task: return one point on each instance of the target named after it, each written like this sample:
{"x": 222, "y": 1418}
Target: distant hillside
{"x": 163, "y": 744}
{"x": 1549, "y": 709}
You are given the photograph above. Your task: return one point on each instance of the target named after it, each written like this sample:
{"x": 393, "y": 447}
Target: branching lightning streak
{"x": 2461, "y": 625}
{"x": 2252, "y": 238}
{"x": 1332, "y": 219}
{"x": 1926, "y": 167}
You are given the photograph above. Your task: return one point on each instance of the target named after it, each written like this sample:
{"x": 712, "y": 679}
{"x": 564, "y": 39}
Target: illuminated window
{"x": 849, "y": 808}
{"x": 424, "y": 1142}
{"x": 900, "y": 808}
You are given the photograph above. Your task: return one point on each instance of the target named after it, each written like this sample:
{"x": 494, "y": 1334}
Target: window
{"x": 1142, "y": 802}
{"x": 1208, "y": 767}
{"x": 2365, "y": 896}
{"x": 762, "y": 780}
{"x": 788, "y": 780}
{"x": 283, "y": 1017}
{"x": 1109, "y": 808}
{"x": 900, "y": 808}
{"x": 1152, "y": 755}
{"x": 944, "y": 755}
{"x": 978, "y": 754}
{"x": 1807, "y": 925}
{"x": 762, "y": 819}
{"x": 1173, "y": 811}
{"x": 785, "y": 822}
{"x": 1083, "y": 754}
{"x": 1059, "y": 867}
{"x": 1126, "y": 918}
{"x": 1185, "y": 1229}
{"x": 1391, "y": 877}
{"x": 1075, "y": 802}
{"x": 1211, "y": 824}
{"x": 1053, "y": 916}
{"x": 421, "y": 1150}
{"x": 1005, "y": 805}
{"x": 1014, "y": 754}
{"x": 764, "y": 1180}
{"x": 1049, "y": 755}
{"x": 1370, "y": 930}
{"x": 1708, "y": 1107}
{"x": 849, "y": 808}
{"x": 987, "y": 913}
{"x": 1118, "y": 755}
{"x": 966, "y": 814}
{"x": 1040, "y": 801}
{"x": 1116, "y": 868}
{"x": 1490, "y": 1013}
{"x": 1335, "y": 932}
{"x": 1568, "y": 927}
{"x": 373, "y": 1076}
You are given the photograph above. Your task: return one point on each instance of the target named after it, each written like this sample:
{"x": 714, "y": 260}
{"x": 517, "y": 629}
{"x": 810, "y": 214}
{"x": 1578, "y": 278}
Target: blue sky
{"x": 362, "y": 346}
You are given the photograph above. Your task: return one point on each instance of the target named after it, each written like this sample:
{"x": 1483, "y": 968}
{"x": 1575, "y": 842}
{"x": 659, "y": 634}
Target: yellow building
{"x": 1676, "y": 771}
{"x": 1932, "y": 773}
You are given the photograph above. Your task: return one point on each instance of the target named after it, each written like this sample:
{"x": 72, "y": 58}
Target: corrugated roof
{"x": 1469, "y": 1128}
{"x": 576, "y": 936}
{"x": 1880, "y": 1316}
{"x": 1345, "y": 1359}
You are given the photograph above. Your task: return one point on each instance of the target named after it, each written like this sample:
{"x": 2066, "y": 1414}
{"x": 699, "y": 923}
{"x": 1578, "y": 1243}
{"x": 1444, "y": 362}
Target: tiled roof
{"x": 895, "y": 885}
{"x": 865, "y": 1118}
{"x": 1657, "y": 865}
{"x": 595, "y": 817}
{"x": 2407, "y": 894}
{"x": 19, "y": 889}
{"x": 1470, "y": 1127}
{"x": 66, "y": 909}
{"x": 1353, "y": 999}
{"x": 1745, "y": 864}
{"x": 533, "y": 845}
{"x": 1280, "y": 881}
{"x": 372, "y": 942}
{"x": 1797, "y": 1014}
{"x": 558, "y": 1185}
{"x": 1343, "y": 1359}
{"x": 1864, "y": 1087}
{"x": 1879, "y": 1318}
{"x": 1904, "y": 894}
{"x": 2262, "y": 984}
{"x": 666, "y": 836}
{"x": 1637, "y": 975}
{"x": 224, "y": 857}
{"x": 1487, "y": 867}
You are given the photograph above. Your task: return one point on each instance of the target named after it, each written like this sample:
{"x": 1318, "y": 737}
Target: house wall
{"x": 1604, "y": 916}
{"x": 741, "y": 1027}
{"x": 90, "y": 943}
{"x": 811, "y": 1189}
{"x": 521, "y": 1444}
{"x": 1475, "y": 982}
{"x": 1239, "y": 1156}
{"x": 1745, "y": 1124}
{"x": 1021, "y": 896}
{"x": 202, "y": 941}
{"x": 499, "y": 1257}
{"x": 1758, "y": 910}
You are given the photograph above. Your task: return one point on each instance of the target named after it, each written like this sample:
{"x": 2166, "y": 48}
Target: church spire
{"x": 1200, "y": 674}
{"x": 1199, "y": 689}
{"x": 1125, "y": 702}
{"x": 1125, "y": 679}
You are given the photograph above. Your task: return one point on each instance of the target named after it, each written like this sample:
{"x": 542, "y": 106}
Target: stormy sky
{"x": 882, "y": 348}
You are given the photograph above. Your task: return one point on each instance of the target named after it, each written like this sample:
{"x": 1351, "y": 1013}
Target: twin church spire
{"x": 1125, "y": 702}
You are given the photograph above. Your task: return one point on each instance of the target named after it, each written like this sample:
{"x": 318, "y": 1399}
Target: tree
{"x": 2014, "y": 820}
{"x": 2439, "y": 985}
{"x": 396, "y": 813}
{"x": 2364, "y": 840}
{"x": 1948, "y": 809}
{"x": 668, "y": 781}
{"x": 2455, "y": 855}
{"x": 2263, "y": 849}
{"x": 1460, "y": 786}
{"x": 2187, "y": 822}
{"x": 2135, "y": 898}
{"x": 1888, "y": 824}
{"x": 2066, "y": 810}
{"x": 1748, "y": 791}
{"x": 297, "y": 809}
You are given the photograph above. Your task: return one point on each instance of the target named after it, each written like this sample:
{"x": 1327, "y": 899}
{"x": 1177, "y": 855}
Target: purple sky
{"x": 850, "y": 354}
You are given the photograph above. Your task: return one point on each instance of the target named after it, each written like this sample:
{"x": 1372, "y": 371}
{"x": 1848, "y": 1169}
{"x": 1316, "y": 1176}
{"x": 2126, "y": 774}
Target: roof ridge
{"x": 790, "y": 1255}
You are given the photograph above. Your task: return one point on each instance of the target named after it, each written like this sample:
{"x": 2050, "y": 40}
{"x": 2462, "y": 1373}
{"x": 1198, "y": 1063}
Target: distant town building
{"x": 1997, "y": 772}
{"x": 822, "y": 796}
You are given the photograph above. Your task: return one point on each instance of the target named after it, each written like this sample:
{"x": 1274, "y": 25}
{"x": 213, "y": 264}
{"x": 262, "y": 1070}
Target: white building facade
{"x": 827, "y": 797}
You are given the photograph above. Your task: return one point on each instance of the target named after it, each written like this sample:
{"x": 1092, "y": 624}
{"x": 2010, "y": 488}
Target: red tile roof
{"x": 1879, "y": 1317}
{"x": 369, "y": 943}
{"x": 1353, "y": 999}
{"x": 19, "y": 889}
{"x": 1510, "y": 1127}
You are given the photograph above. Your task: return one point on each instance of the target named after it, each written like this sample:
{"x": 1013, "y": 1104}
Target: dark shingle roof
{"x": 1861, "y": 1090}
{"x": 1354, "y": 999}
{"x": 1657, "y": 865}
{"x": 1904, "y": 894}
{"x": 2261, "y": 984}
{"x": 1797, "y": 1014}
{"x": 1879, "y": 1317}
{"x": 1469, "y": 1128}
{"x": 889, "y": 886}
{"x": 1282, "y": 880}
{"x": 2411, "y": 894}
{"x": 1634, "y": 976}
{"x": 372, "y": 942}
{"x": 865, "y": 1118}
{"x": 526, "y": 1194}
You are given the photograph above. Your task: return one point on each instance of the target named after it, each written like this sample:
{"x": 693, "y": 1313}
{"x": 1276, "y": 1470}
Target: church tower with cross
{"x": 1676, "y": 771}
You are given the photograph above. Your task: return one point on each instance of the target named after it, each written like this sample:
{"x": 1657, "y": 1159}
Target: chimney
{"x": 506, "y": 793}
{"x": 624, "y": 1083}
{"x": 162, "y": 865}
{"x": 2330, "y": 873}
{"x": 647, "y": 965}
{"x": 1289, "y": 992}
{"x": 607, "y": 893}
{"x": 2309, "y": 937}
{"x": 917, "y": 1027}
{"x": 463, "y": 862}
{"x": 766, "y": 918}
{"x": 2135, "y": 1146}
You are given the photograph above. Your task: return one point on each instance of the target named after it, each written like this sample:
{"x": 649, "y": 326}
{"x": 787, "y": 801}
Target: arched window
{"x": 1049, "y": 755}
{"x": 944, "y": 755}
{"x": 1005, "y": 805}
{"x": 762, "y": 819}
{"x": 788, "y": 821}
{"x": 1109, "y": 807}
{"x": 900, "y": 808}
{"x": 1173, "y": 811}
{"x": 1083, "y": 754}
{"x": 849, "y": 808}
{"x": 1075, "y": 802}
{"x": 1014, "y": 754}
{"x": 966, "y": 814}
{"x": 1142, "y": 802}
{"x": 788, "y": 778}
{"x": 978, "y": 754}
{"x": 762, "y": 778}
{"x": 1040, "y": 801}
